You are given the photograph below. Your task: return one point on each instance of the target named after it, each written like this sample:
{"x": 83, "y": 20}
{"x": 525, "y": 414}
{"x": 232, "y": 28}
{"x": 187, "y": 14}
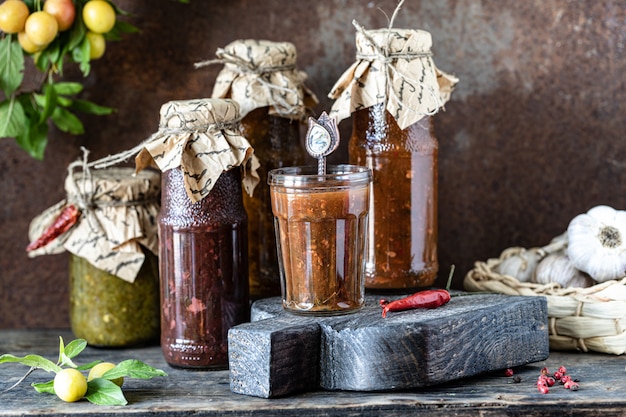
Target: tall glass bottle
{"x": 392, "y": 91}
{"x": 203, "y": 252}
{"x": 203, "y": 258}
{"x": 402, "y": 251}
{"x": 276, "y": 142}
{"x": 262, "y": 77}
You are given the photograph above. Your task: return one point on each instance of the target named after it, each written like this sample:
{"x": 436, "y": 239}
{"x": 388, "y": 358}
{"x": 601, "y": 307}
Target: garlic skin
{"x": 520, "y": 266}
{"x": 558, "y": 268}
{"x": 597, "y": 243}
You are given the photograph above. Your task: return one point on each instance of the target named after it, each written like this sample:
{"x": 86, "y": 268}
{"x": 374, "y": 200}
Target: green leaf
{"x": 104, "y": 392}
{"x": 55, "y": 55}
{"x": 75, "y": 347}
{"x": 11, "y": 64}
{"x": 133, "y": 368}
{"x": 80, "y": 54}
{"x": 71, "y": 350}
{"x": 44, "y": 387}
{"x": 91, "y": 108}
{"x": 63, "y": 101}
{"x": 12, "y": 118}
{"x": 67, "y": 121}
{"x": 120, "y": 29}
{"x": 33, "y": 139}
{"x": 67, "y": 88}
{"x": 49, "y": 103}
{"x": 34, "y": 361}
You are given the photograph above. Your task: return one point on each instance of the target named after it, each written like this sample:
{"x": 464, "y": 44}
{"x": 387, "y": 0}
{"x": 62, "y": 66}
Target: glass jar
{"x": 321, "y": 226}
{"x": 402, "y": 251}
{"x": 114, "y": 280}
{"x": 204, "y": 270}
{"x": 276, "y": 142}
{"x": 108, "y": 311}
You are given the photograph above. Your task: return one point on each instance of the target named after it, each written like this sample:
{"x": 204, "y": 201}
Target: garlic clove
{"x": 557, "y": 268}
{"x": 521, "y": 265}
{"x": 597, "y": 243}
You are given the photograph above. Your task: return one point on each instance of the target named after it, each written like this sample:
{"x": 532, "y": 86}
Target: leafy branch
{"x": 25, "y": 115}
{"x": 101, "y": 390}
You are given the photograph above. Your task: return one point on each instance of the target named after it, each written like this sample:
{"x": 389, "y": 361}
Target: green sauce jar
{"x": 114, "y": 279}
{"x": 107, "y": 311}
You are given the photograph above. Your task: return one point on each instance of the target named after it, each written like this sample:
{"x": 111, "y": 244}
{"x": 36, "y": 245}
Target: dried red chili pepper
{"x": 65, "y": 220}
{"x": 421, "y": 299}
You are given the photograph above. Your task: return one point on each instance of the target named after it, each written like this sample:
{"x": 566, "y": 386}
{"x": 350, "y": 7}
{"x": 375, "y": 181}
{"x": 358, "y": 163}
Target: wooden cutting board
{"x": 279, "y": 353}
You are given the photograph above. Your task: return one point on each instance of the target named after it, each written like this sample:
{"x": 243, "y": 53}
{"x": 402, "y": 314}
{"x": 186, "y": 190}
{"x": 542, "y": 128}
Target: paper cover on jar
{"x": 117, "y": 216}
{"x": 260, "y": 73}
{"x": 394, "y": 66}
{"x": 202, "y": 138}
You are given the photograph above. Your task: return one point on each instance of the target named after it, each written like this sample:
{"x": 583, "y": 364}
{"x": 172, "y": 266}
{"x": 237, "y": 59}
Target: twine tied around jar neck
{"x": 82, "y": 198}
{"x": 164, "y": 130}
{"x": 261, "y": 73}
{"x": 241, "y": 65}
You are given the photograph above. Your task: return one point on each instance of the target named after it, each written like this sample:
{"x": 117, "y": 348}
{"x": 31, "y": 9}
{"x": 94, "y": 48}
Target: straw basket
{"x": 585, "y": 319}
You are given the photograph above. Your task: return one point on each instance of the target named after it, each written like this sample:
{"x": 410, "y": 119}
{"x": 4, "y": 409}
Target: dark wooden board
{"x": 365, "y": 352}
{"x": 208, "y": 394}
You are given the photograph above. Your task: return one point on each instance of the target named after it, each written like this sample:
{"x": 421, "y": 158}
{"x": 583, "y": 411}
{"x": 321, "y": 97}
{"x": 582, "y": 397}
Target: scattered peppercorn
{"x": 545, "y": 380}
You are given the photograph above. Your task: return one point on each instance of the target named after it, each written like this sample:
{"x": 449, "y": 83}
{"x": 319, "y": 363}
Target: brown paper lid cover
{"x": 118, "y": 212}
{"x": 395, "y": 67}
{"x": 202, "y": 138}
{"x": 262, "y": 73}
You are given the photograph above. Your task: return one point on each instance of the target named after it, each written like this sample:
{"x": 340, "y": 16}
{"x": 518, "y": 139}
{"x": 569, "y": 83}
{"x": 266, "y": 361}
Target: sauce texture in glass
{"x": 321, "y": 229}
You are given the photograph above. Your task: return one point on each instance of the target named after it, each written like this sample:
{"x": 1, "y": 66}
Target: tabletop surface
{"x": 602, "y": 380}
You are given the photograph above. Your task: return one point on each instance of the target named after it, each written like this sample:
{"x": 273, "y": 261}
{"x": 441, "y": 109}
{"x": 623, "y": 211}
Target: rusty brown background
{"x": 533, "y": 135}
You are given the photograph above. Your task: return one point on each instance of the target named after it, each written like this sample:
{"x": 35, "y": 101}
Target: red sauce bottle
{"x": 204, "y": 270}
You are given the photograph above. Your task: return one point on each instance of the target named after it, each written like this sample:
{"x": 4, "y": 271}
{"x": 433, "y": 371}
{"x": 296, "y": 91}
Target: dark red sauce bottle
{"x": 204, "y": 270}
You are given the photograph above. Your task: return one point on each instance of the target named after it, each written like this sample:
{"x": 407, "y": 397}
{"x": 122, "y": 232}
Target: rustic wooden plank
{"x": 208, "y": 394}
{"x": 273, "y": 358}
{"x": 364, "y": 352}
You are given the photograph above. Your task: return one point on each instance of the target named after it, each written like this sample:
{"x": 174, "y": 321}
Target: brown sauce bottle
{"x": 402, "y": 252}
{"x": 276, "y": 142}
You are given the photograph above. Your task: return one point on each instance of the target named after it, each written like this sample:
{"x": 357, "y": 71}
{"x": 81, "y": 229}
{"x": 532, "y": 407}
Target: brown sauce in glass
{"x": 322, "y": 247}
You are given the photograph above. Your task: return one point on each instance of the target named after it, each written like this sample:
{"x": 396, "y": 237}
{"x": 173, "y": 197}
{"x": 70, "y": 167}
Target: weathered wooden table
{"x": 602, "y": 390}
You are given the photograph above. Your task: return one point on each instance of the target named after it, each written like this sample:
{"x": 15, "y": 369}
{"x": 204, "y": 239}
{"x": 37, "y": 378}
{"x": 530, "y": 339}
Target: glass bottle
{"x": 276, "y": 142}
{"x": 203, "y": 266}
{"x": 262, "y": 76}
{"x": 402, "y": 252}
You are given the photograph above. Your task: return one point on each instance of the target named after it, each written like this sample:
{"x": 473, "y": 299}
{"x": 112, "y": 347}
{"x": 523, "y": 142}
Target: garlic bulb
{"x": 520, "y": 265}
{"x": 557, "y": 268}
{"x": 597, "y": 243}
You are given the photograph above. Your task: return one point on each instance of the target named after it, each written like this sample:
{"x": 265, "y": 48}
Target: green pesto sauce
{"x": 107, "y": 311}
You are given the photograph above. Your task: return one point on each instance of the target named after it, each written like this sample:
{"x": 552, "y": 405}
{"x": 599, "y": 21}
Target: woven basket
{"x": 583, "y": 319}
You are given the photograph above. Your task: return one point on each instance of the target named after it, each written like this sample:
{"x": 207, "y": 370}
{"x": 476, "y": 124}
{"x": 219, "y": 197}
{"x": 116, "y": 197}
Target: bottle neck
{"x": 224, "y": 204}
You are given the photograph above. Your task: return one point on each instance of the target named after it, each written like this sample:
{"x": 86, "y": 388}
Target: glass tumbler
{"x": 321, "y": 235}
